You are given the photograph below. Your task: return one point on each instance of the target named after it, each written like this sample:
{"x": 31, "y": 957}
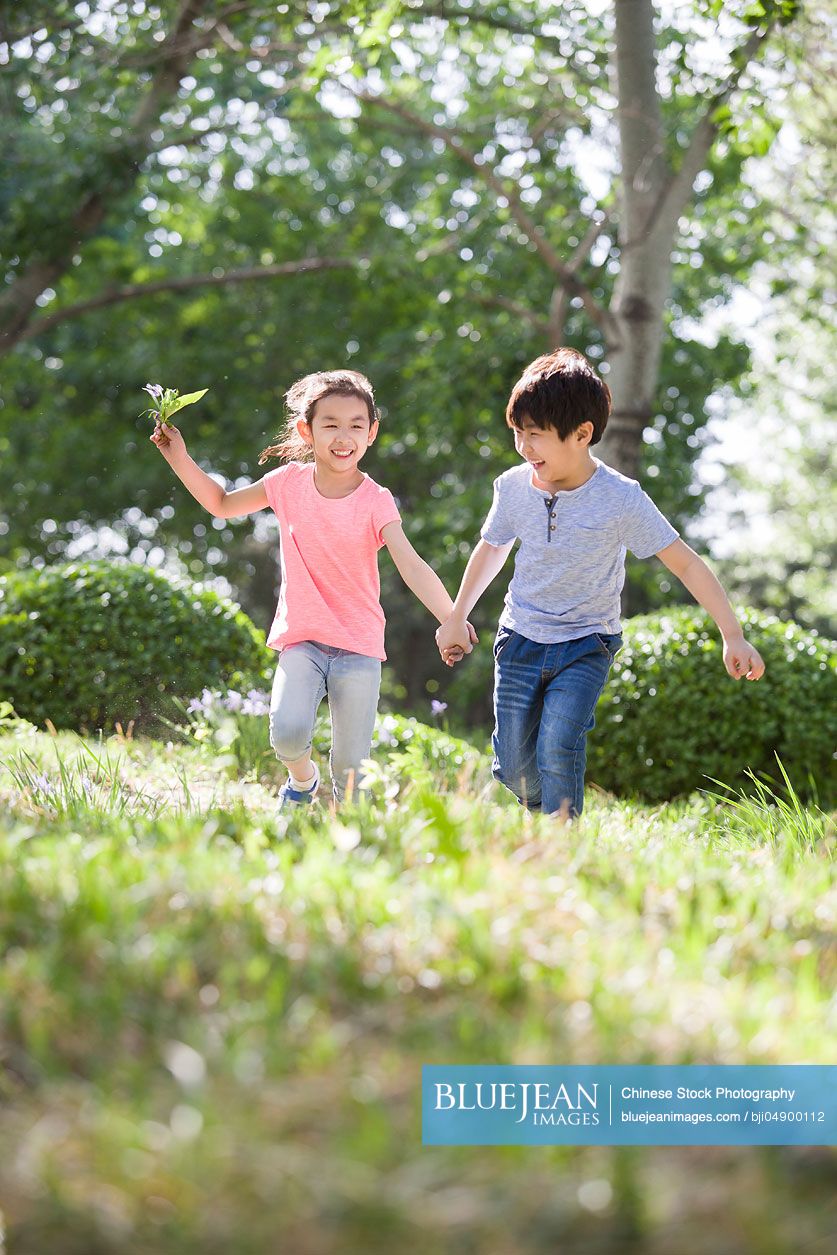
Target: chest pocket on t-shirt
{"x": 589, "y": 545}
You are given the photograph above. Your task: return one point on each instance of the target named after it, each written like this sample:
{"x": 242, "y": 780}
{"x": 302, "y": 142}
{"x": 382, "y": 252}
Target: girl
{"x": 333, "y": 519}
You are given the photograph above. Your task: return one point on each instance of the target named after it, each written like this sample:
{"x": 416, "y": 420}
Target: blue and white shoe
{"x": 290, "y": 797}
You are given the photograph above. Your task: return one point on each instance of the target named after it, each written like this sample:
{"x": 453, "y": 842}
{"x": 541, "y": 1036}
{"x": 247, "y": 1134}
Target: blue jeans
{"x": 544, "y": 699}
{"x": 305, "y": 673}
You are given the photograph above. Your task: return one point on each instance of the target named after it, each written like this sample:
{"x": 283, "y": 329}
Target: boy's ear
{"x": 584, "y": 433}
{"x": 304, "y": 429}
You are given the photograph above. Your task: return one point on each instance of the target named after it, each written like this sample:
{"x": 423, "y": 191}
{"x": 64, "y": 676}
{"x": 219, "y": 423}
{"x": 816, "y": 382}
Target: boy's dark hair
{"x": 560, "y": 390}
{"x": 301, "y": 400}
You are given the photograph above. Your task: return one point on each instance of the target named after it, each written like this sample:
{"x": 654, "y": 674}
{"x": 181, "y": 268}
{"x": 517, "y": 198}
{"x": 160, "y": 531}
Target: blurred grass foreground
{"x": 214, "y": 1021}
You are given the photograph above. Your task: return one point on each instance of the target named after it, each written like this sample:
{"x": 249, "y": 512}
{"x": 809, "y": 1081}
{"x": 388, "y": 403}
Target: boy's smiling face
{"x": 556, "y": 464}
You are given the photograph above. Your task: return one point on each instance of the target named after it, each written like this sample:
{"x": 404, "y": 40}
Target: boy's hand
{"x": 455, "y": 638}
{"x": 456, "y": 653}
{"x": 741, "y": 660}
{"x": 169, "y": 441}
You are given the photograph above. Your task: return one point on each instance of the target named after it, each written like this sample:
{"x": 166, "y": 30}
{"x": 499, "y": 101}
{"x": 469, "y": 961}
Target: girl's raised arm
{"x": 205, "y": 490}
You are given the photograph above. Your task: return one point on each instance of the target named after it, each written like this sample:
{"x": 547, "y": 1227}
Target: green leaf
{"x": 376, "y": 33}
{"x": 188, "y": 399}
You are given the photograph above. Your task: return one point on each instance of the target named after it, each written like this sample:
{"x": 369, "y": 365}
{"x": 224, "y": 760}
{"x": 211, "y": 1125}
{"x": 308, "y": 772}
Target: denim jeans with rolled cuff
{"x": 544, "y": 702}
{"x": 306, "y": 673}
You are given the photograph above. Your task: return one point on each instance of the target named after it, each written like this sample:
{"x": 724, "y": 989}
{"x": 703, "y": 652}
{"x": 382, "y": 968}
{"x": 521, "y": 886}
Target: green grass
{"x": 213, "y": 1020}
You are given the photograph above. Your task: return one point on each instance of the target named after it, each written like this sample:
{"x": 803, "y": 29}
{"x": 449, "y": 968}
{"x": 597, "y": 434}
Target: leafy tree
{"x": 621, "y": 75}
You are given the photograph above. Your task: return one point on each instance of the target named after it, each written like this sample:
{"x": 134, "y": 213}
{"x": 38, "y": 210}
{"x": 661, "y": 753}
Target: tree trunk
{"x": 644, "y": 282}
{"x": 653, "y": 196}
{"x": 633, "y": 354}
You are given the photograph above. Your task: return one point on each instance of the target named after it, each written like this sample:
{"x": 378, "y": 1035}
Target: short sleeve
{"x": 384, "y": 511}
{"x": 497, "y": 528}
{"x": 644, "y": 530}
{"x": 273, "y": 484}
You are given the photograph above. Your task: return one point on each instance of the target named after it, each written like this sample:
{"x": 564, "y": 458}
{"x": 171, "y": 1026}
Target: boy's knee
{"x": 524, "y": 789}
{"x": 502, "y": 774}
{"x": 566, "y": 736}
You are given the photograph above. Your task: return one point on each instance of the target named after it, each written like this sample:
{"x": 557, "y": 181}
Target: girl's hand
{"x": 169, "y": 441}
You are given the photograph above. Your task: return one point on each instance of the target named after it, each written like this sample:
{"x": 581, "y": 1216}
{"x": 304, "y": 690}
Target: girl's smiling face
{"x": 339, "y": 433}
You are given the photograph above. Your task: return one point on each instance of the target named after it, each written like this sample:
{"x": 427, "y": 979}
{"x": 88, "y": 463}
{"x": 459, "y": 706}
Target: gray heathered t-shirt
{"x": 570, "y": 567}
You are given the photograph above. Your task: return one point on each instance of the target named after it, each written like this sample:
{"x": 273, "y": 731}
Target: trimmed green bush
{"x": 671, "y": 718}
{"x": 90, "y": 644}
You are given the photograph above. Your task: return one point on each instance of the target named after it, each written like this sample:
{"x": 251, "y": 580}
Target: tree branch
{"x": 514, "y": 307}
{"x": 501, "y": 189}
{"x": 594, "y": 230}
{"x": 561, "y": 294}
{"x": 675, "y": 195}
{"x": 559, "y": 303}
{"x": 185, "y": 283}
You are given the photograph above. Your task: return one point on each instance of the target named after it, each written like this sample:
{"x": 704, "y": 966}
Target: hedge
{"x": 90, "y": 644}
{"x": 671, "y": 719}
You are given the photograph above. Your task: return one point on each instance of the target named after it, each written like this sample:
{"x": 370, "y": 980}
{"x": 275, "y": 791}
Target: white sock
{"x": 304, "y": 785}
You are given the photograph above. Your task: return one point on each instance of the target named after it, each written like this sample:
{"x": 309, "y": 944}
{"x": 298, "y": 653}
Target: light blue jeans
{"x": 305, "y": 674}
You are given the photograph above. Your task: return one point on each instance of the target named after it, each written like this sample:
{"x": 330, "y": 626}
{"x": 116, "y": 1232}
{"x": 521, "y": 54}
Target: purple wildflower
{"x": 385, "y": 733}
{"x": 201, "y": 705}
{"x": 43, "y": 784}
{"x": 438, "y": 708}
{"x": 255, "y": 703}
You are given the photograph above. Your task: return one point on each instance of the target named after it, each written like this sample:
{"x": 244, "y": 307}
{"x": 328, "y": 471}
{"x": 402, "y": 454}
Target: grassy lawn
{"x": 212, "y": 1021}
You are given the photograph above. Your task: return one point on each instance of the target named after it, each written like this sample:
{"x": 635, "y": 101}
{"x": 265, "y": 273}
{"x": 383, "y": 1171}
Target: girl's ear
{"x": 304, "y": 429}
{"x": 373, "y": 431}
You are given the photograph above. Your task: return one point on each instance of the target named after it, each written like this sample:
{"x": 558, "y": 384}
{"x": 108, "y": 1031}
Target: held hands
{"x": 741, "y": 660}
{"x": 169, "y": 441}
{"x": 455, "y": 638}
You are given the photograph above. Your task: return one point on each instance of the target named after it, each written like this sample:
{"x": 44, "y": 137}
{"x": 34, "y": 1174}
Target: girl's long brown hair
{"x": 300, "y": 402}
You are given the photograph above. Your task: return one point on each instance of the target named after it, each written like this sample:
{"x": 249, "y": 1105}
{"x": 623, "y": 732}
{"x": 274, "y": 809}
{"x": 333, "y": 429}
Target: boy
{"x": 559, "y": 631}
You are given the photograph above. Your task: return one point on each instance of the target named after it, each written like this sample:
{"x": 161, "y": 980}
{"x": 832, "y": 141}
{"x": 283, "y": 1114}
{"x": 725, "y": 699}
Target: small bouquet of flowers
{"x": 167, "y": 401}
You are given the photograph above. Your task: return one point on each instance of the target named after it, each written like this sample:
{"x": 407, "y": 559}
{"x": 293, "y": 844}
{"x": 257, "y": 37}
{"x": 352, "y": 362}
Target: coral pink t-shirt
{"x": 329, "y": 561}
